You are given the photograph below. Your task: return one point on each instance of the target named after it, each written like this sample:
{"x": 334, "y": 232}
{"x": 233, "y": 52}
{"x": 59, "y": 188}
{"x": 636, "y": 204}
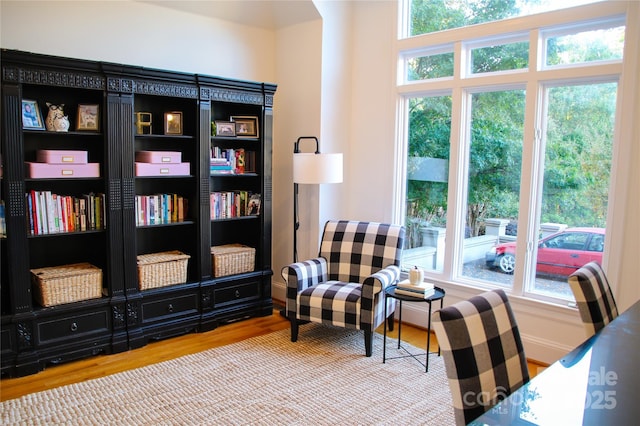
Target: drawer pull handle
{"x": 170, "y": 307}
{"x": 74, "y": 326}
{"x": 237, "y": 293}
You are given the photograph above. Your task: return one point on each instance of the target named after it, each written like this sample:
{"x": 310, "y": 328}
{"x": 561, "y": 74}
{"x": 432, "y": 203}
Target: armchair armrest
{"x": 302, "y": 275}
{"x": 382, "y": 279}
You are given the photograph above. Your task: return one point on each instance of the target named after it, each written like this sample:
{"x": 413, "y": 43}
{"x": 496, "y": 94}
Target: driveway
{"x": 552, "y": 285}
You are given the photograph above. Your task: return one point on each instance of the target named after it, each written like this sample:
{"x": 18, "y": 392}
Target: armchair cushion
{"x": 332, "y": 303}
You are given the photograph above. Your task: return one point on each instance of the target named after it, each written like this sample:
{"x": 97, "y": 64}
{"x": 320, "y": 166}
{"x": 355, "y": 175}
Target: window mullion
{"x": 458, "y": 170}
{"x": 531, "y": 186}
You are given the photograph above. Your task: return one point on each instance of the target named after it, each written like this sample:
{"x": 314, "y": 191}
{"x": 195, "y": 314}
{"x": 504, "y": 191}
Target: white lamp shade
{"x": 310, "y": 168}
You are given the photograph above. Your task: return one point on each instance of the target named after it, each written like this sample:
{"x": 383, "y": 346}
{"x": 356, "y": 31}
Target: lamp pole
{"x": 296, "y": 222}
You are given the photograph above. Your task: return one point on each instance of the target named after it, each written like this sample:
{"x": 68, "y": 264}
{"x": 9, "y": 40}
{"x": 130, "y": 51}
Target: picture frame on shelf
{"x": 31, "y": 115}
{"x": 253, "y": 208}
{"x": 246, "y": 126}
{"x": 173, "y": 123}
{"x": 225, "y": 128}
{"x": 88, "y": 117}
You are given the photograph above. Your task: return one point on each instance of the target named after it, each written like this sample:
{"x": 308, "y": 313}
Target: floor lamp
{"x": 311, "y": 168}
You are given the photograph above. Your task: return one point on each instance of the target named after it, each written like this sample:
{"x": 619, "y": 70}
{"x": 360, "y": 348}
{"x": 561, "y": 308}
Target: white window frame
{"x": 534, "y": 80}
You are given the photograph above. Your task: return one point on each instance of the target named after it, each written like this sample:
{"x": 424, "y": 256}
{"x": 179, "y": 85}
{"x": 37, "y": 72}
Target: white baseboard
{"x": 279, "y": 291}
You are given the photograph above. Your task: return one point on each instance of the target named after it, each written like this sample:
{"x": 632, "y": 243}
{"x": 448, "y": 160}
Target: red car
{"x": 558, "y": 254}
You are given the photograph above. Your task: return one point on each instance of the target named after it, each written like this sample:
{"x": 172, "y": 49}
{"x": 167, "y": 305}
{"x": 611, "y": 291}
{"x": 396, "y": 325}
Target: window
{"x": 508, "y": 140}
{"x": 460, "y": 13}
{"x": 584, "y": 46}
{"x": 426, "y": 66}
{"x": 493, "y": 179}
{"x": 575, "y": 186}
{"x": 499, "y": 57}
{"x": 427, "y": 180}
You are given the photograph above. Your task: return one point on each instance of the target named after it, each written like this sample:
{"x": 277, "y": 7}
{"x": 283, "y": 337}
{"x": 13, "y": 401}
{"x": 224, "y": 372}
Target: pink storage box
{"x": 46, "y": 170}
{"x": 55, "y": 156}
{"x": 154, "y": 169}
{"x": 159, "y": 157}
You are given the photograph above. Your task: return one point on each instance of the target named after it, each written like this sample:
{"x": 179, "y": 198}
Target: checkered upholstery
{"x": 593, "y": 296}
{"x": 482, "y": 352}
{"x": 343, "y": 286}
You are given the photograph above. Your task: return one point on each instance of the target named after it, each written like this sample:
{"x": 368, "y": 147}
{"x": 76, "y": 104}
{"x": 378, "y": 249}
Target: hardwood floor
{"x": 104, "y": 365}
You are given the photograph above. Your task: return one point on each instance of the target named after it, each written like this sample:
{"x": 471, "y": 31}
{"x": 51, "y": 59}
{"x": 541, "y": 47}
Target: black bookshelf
{"x": 127, "y": 316}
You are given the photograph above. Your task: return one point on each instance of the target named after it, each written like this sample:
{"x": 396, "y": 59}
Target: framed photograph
{"x": 225, "y": 128}
{"x": 246, "y": 126}
{"x": 173, "y": 123}
{"x": 88, "y": 117}
{"x": 31, "y": 115}
{"x": 254, "y": 204}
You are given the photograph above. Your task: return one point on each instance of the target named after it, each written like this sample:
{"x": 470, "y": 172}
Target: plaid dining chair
{"x": 594, "y": 298}
{"x": 344, "y": 285}
{"x": 482, "y": 351}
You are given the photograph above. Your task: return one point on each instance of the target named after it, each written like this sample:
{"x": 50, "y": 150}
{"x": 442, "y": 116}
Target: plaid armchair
{"x": 343, "y": 286}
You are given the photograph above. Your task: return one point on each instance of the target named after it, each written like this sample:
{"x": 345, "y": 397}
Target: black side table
{"x": 391, "y": 292}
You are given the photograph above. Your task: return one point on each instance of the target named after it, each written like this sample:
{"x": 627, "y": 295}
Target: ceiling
{"x": 265, "y": 14}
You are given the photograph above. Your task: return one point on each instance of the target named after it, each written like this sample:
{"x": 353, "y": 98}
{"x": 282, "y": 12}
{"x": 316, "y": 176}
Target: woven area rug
{"x": 323, "y": 379}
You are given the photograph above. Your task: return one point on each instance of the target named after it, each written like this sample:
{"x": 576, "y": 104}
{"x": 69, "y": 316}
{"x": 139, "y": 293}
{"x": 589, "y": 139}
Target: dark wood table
{"x": 438, "y": 294}
{"x": 595, "y": 384}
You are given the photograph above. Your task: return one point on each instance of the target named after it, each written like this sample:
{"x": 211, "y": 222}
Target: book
{"x": 415, "y": 289}
{"x": 83, "y": 214}
{"x": 3, "y": 223}
{"x": 417, "y": 294}
{"x": 240, "y": 161}
{"x": 422, "y": 286}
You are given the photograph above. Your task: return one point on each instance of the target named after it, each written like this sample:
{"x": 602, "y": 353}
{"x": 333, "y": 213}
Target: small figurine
{"x": 143, "y": 123}
{"x": 416, "y": 276}
{"x": 56, "y": 120}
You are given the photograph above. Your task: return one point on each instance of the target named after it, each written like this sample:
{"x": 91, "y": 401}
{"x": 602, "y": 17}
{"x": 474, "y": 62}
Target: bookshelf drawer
{"x": 75, "y": 326}
{"x": 236, "y": 293}
{"x": 171, "y": 306}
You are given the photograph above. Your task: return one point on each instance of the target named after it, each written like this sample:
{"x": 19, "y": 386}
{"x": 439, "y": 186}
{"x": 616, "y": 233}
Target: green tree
{"x": 495, "y": 156}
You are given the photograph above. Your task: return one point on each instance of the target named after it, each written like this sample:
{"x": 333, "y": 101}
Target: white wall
{"x": 372, "y": 134}
{"x": 138, "y": 34}
{"x": 296, "y": 113}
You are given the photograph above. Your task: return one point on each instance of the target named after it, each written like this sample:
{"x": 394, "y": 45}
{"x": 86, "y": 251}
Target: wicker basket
{"x": 232, "y": 259}
{"x": 56, "y": 285}
{"x": 162, "y": 269}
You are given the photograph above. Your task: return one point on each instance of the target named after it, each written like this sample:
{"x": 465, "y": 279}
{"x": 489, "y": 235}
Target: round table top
{"x": 437, "y": 295}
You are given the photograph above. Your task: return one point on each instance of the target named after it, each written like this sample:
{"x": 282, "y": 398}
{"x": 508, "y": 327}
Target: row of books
{"x": 421, "y": 291}
{"x": 230, "y": 204}
{"x": 51, "y": 213}
{"x": 232, "y": 161}
{"x": 158, "y": 209}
